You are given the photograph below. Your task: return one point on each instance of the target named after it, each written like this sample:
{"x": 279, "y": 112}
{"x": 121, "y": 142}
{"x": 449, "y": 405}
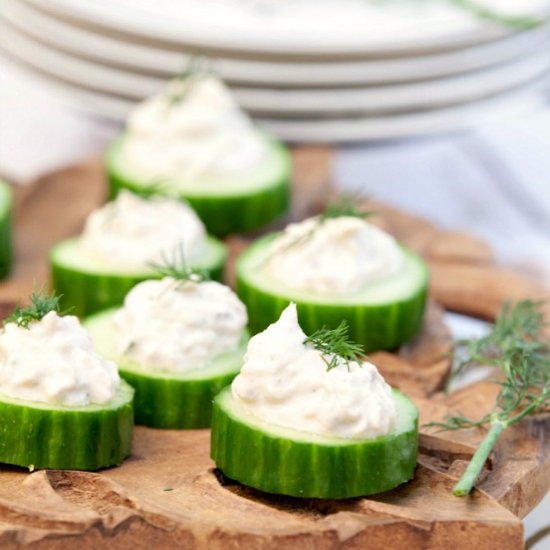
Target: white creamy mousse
{"x": 132, "y": 232}
{"x": 335, "y": 256}
{"x": 178, "y": 326}
{"x": 286, "y": 382}
{"x": 54, "y": 361}
{"x": 194, "y": 131}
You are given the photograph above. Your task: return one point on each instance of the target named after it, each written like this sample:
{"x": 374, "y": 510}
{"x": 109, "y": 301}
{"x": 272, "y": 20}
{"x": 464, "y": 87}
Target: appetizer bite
{"x": 193, "y": 141}
{"x": 178, "y": 341}
{"x": 336, "y": 266}
{"x": 305, "y": 417}
{"x": 62, "y": 405}
{"x": 6, "y": 203}
{"x": 121, "y": 245}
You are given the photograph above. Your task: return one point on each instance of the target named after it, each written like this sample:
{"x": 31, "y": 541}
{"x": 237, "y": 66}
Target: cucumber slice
{"x": 6, "y": 250}
{"x": 225, "y": 207}
{"x": 41, "y": 435}
{"x": 383, "y": 316}
{"x": 281, "y": 460}
{"x": 163, "y": 399}
{"x": 87, "y": 285}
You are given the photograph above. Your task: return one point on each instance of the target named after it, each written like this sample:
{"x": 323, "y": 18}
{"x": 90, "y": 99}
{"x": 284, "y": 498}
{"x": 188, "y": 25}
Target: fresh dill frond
{"x": 335, "y": 344}
{"x": 456, "y": 423}
{"x": 197, "y": 67}
{"x": 516, "y": 345}
{"x": 156, "y": 187}
{"x": 175, "y": 265}
{"x": 346, "y": 206}
{"x": 42, "y": 302}
{"x": 516, "y": 327}
{"x": 485, "y": 12}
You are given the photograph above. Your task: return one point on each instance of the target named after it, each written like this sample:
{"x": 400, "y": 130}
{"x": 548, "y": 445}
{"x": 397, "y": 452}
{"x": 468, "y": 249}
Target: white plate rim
{"x": 207, "y": 38}
{"x": 342, "y": 131}
{"x": 407, "y": 126}
{"x": 60, "y": 34}
{"x": 427, "y": 95}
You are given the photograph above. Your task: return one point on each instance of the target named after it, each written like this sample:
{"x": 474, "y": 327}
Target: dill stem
{"x": 470, "y": 475}
{"x": 515, "y": 21}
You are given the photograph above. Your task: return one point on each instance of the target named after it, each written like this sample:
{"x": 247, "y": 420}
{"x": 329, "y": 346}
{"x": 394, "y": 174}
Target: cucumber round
{"x": 41, "y": 435}
{"x": 6, "y": 247}
{"x": 87, "y": 286}
{"x": 163, "y": 399}
{"x": 383, "y": 316}
{"x": 225, "y": 207}
{"x": 281, "y": 460}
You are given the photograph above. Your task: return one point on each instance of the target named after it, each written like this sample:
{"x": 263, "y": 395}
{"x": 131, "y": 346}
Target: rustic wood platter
{"x": 169, "y": 494}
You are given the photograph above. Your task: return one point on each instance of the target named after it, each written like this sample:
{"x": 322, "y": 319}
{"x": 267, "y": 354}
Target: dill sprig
{"x": 335, "y": 345}
{"x": 175, "y": 265}
{"x": 345, "y": 206}
{"x": 518, "y": 348}
{"x": 197, "y": 67}
{"x": 157, "y": 187}
{"x": 42, "y": 302}
{"x": 484, "y": 12}
{"x": 517, "y": 325}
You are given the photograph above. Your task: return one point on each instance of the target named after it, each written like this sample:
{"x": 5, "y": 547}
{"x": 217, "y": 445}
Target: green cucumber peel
{"x": 225, "y": 207}
{"x": 164, "y": 399}
{"x": 384, "y": 316}
{"x": 40, "y": 435}
{"x": 89, "y": 286}
{"x": 281, "y": 460}
{"x": 6, "y": 230}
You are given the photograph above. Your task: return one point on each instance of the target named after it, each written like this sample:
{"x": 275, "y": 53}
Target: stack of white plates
{"x": 310, "y": 70}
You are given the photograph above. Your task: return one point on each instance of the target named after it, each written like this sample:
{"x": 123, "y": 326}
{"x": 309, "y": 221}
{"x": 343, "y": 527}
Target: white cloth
{"x": 494, "y": 182}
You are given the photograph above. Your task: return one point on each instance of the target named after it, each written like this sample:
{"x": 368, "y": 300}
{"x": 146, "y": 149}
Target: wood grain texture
{"x": 168, "y": 493}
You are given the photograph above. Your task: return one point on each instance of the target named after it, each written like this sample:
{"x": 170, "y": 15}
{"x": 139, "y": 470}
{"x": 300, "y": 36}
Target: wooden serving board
{"x": 168, "y": 493}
